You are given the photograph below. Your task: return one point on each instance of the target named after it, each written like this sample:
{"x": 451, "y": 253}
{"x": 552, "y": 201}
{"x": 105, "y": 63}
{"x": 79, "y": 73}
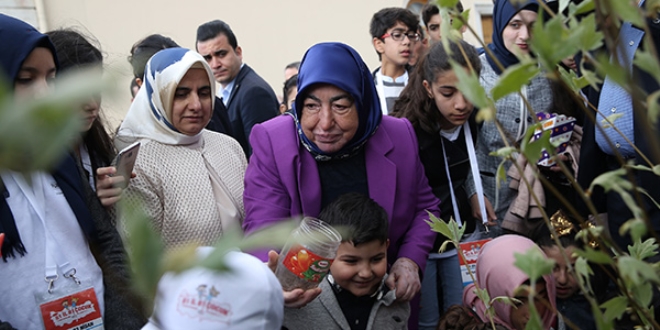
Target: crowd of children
{"x": 370, "y": 152}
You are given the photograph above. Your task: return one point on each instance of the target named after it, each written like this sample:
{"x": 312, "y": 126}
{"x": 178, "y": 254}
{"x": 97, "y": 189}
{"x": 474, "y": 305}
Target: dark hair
{"x": 289, "y": 84}
{"x": 293, "y": 65}
{"x": 388, "y": 17}
{"x": 414, "y": 102}
{"x": 361, "y": 217}
{"x": 215, "y": 28}
{"x": 430, "y": 10}
{"x": 75, "y": 51}
{"x": 144, "y": 49}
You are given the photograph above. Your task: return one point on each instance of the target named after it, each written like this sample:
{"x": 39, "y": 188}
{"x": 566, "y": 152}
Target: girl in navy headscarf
{"x": 45, "y": 215}
{"x": 337, "y": 141}
{"x": 511, "y": 31}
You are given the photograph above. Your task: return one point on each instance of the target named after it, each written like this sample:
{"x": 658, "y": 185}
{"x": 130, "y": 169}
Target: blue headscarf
{"x": 18, "y": 39}
{"x": 502, "y": 14}
{"x": 339, "y": 65}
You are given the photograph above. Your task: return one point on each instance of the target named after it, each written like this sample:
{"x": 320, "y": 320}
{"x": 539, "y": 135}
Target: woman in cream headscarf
{"x": 190, "y": 180}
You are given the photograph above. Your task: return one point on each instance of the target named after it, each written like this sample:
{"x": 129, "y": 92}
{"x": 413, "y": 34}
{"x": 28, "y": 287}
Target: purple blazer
{"x": 282, "y": 181}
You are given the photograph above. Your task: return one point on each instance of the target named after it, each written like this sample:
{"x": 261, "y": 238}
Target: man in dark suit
{"x": 247, "y": 97}
{"x": 598, "y": 155}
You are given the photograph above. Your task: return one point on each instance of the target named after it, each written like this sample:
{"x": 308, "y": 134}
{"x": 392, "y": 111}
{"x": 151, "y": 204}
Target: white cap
{"x": 247, "y": 297}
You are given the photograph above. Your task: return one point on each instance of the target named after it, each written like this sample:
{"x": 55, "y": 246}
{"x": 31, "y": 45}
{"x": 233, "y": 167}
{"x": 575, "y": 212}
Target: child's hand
{"x": 297, "y": 298}
{"x": 476, "y": 210}
{"x": 404, "y": 278}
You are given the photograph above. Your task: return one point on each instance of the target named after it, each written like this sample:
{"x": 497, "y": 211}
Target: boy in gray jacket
{"x": 354, "y": 295}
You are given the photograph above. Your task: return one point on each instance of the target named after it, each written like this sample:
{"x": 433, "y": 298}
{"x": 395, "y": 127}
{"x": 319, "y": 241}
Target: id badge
{"x": 72, "y": 308}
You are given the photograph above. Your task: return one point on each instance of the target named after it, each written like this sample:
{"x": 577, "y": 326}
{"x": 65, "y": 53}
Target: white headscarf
{"x": 150, "y": 114}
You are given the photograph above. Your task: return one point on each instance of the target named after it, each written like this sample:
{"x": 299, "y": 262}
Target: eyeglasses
{"x": 398, "y": 36}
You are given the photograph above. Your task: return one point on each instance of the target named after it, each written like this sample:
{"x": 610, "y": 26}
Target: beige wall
{"x": 272, "y": 33}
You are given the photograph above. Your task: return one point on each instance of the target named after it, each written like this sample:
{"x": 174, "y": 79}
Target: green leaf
{"x": 145, "y": 249}
{"x": 500, "y": 176}
{"x": 591, "y": 77}
{"x": 580, "y": 82}
{"x": 457, "y": 24}
{"x": 486, "y": 114}
{"x": 444, "y": 245}
{"x": 636, "y": 271}
{"x": 532, "y": 150}
{"x": 514, "y": 78}
{"x": 503, "y": 152}
{"x": 656, "y": 170}
{"x": 614, "y": 308}
{"x": 605, "y": 123}
{"x": 547, "y": 36}
{"x": 511, "y": 301}
{"x": 439, "y": 226}
{"x": 627, "y": 12}
{"x": 642, "y": 250}
{"x": 613, "y": 71}
{"x": 37, "y": 133}
{"x": 643, "y": 294}
{"x": 584, "y": 36}
{"x": 534, "y": 322}
{"x": 594, "y": 256}
{"x": 653, "y": 107}
{"x": 611, "y": 180}
{"x": 447, "y": 3}
{"x": 584, "y": 271}
{"x": 534, "y": 263}
{"x": 470, "y": 87}
{"x": 636, "y": 226}
{"x": 584, "y": 7}
{"x": 647, "y": 62}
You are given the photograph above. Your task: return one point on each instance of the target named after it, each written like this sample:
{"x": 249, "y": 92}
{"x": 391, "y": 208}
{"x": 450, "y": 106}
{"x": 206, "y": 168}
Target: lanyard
{"x": 522, "y": 127}
{"x": 472, "y": 156}
{"x": 55, "y": 258}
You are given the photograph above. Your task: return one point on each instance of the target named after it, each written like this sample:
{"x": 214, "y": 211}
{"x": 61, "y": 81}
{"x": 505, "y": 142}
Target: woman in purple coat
{"x": 337, "y": 141}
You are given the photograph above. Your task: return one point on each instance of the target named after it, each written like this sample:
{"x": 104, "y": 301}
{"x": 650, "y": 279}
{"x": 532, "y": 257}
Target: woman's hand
{"x": 296, "y": 298}
{"x": 404, "y": 278}
{"x": 108, "y": 187}
{"x": 476, "y": 210}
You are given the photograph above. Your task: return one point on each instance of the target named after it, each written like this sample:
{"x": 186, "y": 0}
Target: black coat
{"x": 220, "y": 119}
{"x": 430, "y": 153}
{"x": 251, "y": 102}
{"x": 594, "y": 162}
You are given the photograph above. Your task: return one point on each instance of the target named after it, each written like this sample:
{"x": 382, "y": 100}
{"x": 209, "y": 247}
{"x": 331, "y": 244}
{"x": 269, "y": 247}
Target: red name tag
{"x": 77, "y": 311}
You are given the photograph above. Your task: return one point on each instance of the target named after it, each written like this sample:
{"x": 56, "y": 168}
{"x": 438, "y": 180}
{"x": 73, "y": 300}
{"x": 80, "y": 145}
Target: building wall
{"x": 272, "y": 33}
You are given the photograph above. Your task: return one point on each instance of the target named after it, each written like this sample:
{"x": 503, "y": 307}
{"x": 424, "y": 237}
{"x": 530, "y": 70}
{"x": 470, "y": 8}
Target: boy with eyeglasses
{"x": 394, "y": 33}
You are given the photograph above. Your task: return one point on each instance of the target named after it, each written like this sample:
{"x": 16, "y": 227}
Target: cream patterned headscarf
{"x": 150, "y": 114}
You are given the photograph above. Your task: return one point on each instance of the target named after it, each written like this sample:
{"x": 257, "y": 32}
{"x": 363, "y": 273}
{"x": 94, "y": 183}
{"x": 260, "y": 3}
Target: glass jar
{"x": 306, "y": 258}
